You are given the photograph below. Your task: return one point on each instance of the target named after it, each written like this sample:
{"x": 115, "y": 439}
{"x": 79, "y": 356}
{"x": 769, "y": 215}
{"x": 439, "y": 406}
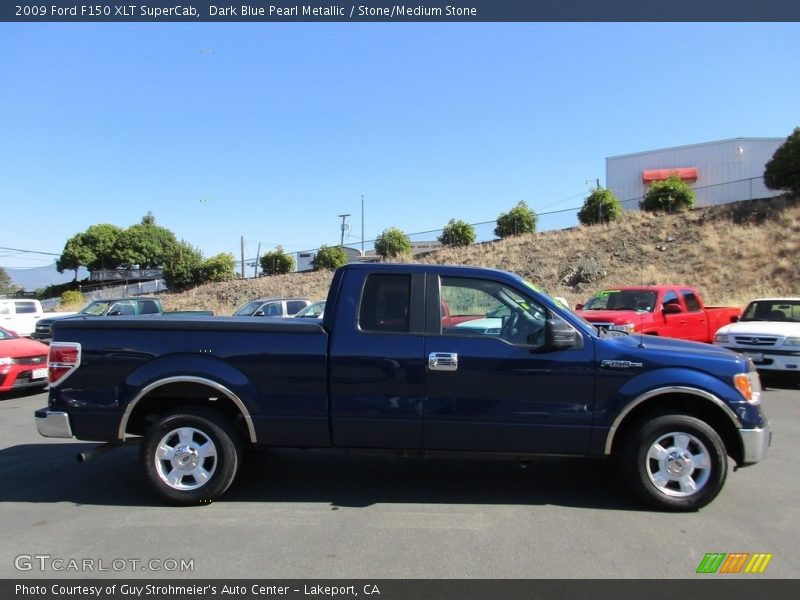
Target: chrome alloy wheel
{"x": 186, "y": 458}
{"x": 678, "y": 464}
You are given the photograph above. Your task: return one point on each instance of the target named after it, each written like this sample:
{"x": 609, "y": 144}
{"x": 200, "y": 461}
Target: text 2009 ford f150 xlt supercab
{"x": 385, "y": 371}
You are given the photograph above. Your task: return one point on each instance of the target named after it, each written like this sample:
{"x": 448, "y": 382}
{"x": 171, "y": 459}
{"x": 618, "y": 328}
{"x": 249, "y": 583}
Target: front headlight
{"x": 626, "y": 327}
{"x": 792, "y": 341}
{"x": 749, "y": 386}
{"x": 721, "y": 338}
{"x": 7, "y": 360}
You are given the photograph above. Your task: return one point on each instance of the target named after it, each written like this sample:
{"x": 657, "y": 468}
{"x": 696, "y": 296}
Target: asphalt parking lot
{"x": 318, "y": 514}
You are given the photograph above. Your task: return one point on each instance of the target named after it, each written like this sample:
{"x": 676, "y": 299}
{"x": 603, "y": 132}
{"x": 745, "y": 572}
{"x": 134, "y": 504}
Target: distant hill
{"x": 39, "y": 277}
{"x": 731, "y": 253}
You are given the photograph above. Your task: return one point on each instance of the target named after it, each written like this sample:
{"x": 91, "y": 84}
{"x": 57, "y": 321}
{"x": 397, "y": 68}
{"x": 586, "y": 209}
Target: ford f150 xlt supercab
{"x": 387, "y": 370}
{"x": 667, "y": 310}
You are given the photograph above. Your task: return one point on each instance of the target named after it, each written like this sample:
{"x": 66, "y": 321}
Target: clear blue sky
{"x": 269, "y": 131}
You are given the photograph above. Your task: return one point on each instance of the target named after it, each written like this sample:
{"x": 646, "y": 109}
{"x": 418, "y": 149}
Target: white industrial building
{"x": 719, "y": 172}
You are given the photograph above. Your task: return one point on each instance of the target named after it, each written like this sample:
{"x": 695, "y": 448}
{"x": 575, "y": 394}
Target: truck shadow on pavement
{"x": 49, "y": 473}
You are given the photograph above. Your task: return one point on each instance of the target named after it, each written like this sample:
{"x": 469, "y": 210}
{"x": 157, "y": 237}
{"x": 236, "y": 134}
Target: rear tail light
{"x": 64, "y": 358}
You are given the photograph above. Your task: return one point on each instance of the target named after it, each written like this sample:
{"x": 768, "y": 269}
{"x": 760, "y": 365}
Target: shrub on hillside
{"x": 671, "y": 195}
{"x": 782, "y": 172}
{"x": 221, "y": 267}
{"x": 392, "y": 242}
{"x": 517, "y": 221}
{"x": 457, "y": 233}
{"x": 72, "y": 298}
{"x": 277, "y": 262}
{"x": 601, "y": 206}
{"x": 329, "y": 257}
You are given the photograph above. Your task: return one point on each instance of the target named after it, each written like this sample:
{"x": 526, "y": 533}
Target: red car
{"x": 23, "y": 362}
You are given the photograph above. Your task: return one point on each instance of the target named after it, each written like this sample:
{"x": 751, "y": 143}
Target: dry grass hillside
{"x": 731, "y": 253}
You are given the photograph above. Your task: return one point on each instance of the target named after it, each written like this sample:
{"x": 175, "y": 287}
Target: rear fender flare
{"x": 224, "y": 391}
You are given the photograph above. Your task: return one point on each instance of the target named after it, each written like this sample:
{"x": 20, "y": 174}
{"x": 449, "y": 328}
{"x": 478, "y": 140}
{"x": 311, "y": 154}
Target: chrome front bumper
{"x": 755, "y": 442}
{"x": 53, "y": 424}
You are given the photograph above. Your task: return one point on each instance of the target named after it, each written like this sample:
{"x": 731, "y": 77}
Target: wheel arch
{"x": 164, "y": 394}
{"x": 688, "y": 401}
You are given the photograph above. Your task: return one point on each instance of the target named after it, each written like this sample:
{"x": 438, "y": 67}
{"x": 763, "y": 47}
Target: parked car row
{"x": 281, "y": 307}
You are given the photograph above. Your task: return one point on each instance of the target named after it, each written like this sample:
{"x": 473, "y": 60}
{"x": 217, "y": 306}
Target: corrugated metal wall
{"x": 728, "y": 170}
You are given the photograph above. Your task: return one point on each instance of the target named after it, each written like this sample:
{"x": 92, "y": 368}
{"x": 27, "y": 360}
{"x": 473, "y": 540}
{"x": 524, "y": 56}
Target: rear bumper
{"x": 755, "y": 442}
{"x": 53, "y": 423}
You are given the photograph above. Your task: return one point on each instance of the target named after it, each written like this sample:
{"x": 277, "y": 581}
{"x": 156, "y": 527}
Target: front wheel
{"x": 190, "y": 456}
{"x": 675, "y": 463}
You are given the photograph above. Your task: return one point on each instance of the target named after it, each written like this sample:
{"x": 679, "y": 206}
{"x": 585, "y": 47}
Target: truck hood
{"x": 57, "y": 317}
{"x": 777, "y": 328}
{"x": 617, "y": 317}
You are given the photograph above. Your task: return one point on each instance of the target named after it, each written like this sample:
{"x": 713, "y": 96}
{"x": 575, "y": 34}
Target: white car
{"x": 768, "y": 332}
{"x": 21, "y": 314}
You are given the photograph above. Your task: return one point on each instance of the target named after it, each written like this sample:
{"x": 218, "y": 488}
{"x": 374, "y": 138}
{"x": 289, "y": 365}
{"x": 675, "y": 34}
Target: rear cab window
{"x": 386, "y": 304}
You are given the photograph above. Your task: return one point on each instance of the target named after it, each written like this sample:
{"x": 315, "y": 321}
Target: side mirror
{"x": 579, "y": 306}
{"x": 672, "y": 309}
{"x": 734, "y": 319}
{"x": 258, "y": 313}
{"x": 115, "y": 313}
{"x": 558, "y": 335}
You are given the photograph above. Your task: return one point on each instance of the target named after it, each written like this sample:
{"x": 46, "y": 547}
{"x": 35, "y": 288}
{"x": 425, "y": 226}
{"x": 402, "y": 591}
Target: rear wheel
{"x": 190, "y": 456}
{"x": 675, "y": 462}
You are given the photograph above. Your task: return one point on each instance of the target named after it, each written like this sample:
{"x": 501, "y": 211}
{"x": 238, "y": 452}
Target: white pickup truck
{"x": 769, "y": 333}
{"x": 20, "y": 315}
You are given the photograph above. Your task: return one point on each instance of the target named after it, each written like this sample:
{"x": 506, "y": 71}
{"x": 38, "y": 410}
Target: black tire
{"x": 674, "y": 462}
{"x": 205, "y": 456}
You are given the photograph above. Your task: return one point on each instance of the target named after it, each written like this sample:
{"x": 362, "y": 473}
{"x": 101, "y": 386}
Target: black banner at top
{"x": 413, "y": 11}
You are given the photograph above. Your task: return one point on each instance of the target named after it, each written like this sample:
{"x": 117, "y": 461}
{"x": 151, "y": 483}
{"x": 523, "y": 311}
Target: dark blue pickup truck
{"x": 395, "y": 365}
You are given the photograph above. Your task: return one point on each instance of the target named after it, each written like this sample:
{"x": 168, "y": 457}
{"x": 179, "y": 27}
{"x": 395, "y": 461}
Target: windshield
{"x": 772, "y": 310}
{"x": 314, "y": 311}
{"x": 638, "y": 300}
{"x": 95, "y": 309}
{"x": 248, "y": 309}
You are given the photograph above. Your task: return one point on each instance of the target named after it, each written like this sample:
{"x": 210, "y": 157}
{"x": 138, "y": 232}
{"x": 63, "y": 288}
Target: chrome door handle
{"x": 443, "y": 361}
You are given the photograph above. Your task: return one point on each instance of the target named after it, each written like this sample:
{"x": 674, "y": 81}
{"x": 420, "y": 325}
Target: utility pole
{"x": 242, "y": 245}
{"x": 362, "y": 222}
{"x": 599, "y": 207}
{"x": 345, "y": 227}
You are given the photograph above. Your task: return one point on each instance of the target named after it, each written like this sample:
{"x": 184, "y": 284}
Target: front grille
{"x": 32, "y": 360}
{"x": 754, "y": 340}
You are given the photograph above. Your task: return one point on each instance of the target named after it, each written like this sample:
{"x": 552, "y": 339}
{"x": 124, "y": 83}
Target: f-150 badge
{"x": 620, "y": 364}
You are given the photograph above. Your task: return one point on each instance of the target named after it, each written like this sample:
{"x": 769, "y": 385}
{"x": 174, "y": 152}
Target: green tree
{"x": 392, "y": 242}
{"x": 184, "y": 269}
{"x": 6, "y": 285}
{"x": 517, "y": 221}
{"x": 221, "y": 267}
{"x": 457, "y": 233}
{"x": 146, "y": 245}
{"x": 782, "y": 172}
{"x": 277, "y": 262}
{"x": 75, "y": 255}
{"x": 95, "y": 248}
{"x": 329, "y": 257}
{"x": 601, "y": 206}
{"x": 671, "y": 195}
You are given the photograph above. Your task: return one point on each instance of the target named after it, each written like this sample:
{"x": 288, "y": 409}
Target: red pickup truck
{"x": 675, "y": 311}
